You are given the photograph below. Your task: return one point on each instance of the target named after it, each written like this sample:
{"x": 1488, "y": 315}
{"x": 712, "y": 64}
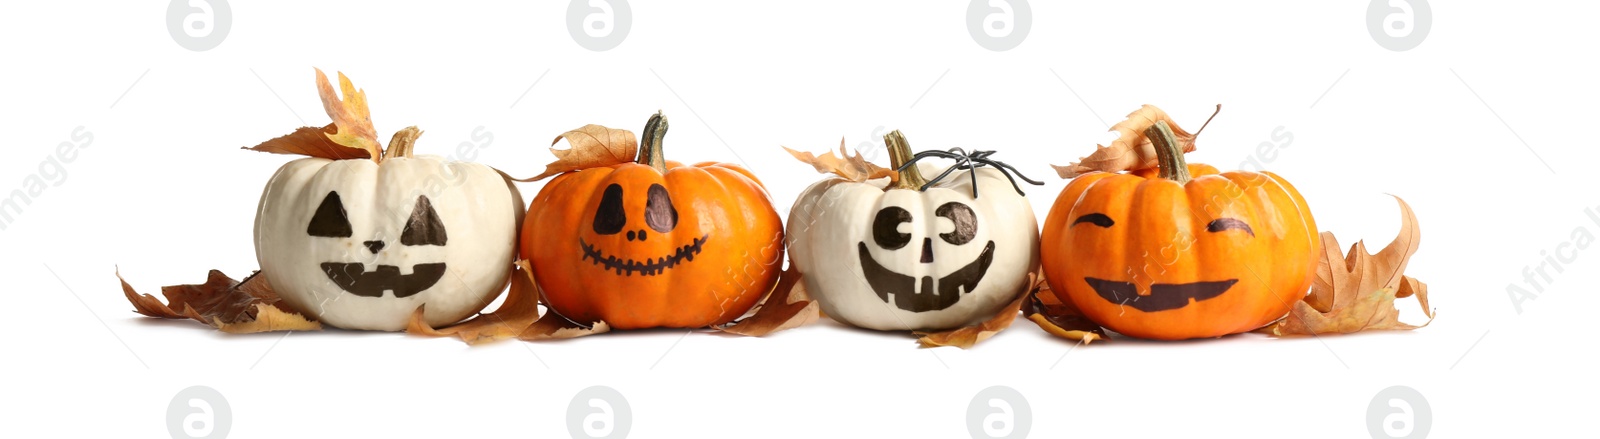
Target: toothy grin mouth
{"x": 904, "y": 288}
{"x": 354, "y": 279}
{"x": 1162, "y": 296}
{"x": 650, "y": 267}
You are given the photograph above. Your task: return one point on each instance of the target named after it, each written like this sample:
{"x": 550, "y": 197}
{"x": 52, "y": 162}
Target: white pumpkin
{"x": 360, "y": 245}
{"x": 899, "y": 258}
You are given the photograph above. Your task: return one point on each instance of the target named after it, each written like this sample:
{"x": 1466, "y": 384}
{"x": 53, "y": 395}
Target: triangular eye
{"x": 424, "y": 227}
{"x": 658, "y": 210}
{"x": 330, "y": 220}
{"x": 609, "y": 217}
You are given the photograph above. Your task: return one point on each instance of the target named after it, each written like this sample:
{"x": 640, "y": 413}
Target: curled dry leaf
{"x": 593, "y": 146}
{"x": 1356, "y": 292}
{"x": 228, "y": 305}
{"x": 555, "y": 327}
{"x": 1132, "y": 150}
{"x": 518, "y": 317}
{"x": 847, "y": 166}
{"x": 350, "y": 136}
{"x": 787, "y": 306}
{"x": 350, "y": 115}
{"x": 1058, "y": 318}
{"x": 968, "y": 336}
{"x": 515, "y": 314}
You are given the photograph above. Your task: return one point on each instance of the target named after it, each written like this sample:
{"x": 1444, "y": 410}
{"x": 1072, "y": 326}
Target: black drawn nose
{"x": 375, "y": 246}
{"x": 927, "y": 250}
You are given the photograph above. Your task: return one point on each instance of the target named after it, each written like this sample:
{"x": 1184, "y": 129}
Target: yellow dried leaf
{"x": 1356, "y": 292}
{"x": 229, "y": 305}
{"x": 593, "y": 146}
{"x": 350, "y": 115}
{"x": 270, "y": 319}
{"x": 350, "y": 136}
{"x": 1132, "y": 150}
{"x": 787, "y": 306}
{"x": 847, "y": 166}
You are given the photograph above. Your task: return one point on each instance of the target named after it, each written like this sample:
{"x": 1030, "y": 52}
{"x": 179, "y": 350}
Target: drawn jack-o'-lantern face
{"x": 913, "y": 254}
{"x": 421, "y": 229}
{"x": 656, "y": 216}
{"x": 359, "y": 245}
{"x": 924, "y": 293}
{"x": 653, "y": 243}
{"x": 1180, "y": 254}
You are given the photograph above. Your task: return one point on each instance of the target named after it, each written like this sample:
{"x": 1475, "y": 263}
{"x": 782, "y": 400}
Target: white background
{"x": 1485, "y": 128}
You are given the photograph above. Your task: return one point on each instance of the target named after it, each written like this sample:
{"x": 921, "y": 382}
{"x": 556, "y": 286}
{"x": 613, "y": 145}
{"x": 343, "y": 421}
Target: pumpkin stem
{"x": 650, "y": 146}
{"x": 1169, "y": 154}
{"x": 899, "y": 155}
{"x": 402, "y": 143}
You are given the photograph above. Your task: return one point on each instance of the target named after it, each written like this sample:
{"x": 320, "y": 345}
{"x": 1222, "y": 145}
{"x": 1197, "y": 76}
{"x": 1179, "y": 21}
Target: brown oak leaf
{"x": 1356, "y": 292}
{"x": 1132, "y": 150}
{"x": 228, "y": 305}
{"x": 847, "y": 166}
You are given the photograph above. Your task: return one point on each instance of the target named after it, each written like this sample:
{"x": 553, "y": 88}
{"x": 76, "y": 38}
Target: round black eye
{"x": 965, "y": 219}
{"x": 658, "y": 211}
{"x": 886, "y": 228}
{"x": 609, "y": 217}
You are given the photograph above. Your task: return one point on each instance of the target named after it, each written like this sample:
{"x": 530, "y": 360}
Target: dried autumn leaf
{"x": 350, "y": 115}
{"x": 847, "y": 166}
{"x": 1058, "y": 318}
{"x": 226, "y": 304}
{"x": 516, "y": 314}
{"x": 269, "y": 319}
{"x": 593, "y": 146}
{"x": 1356, "y": 292}
{"x": 968, "y": 336}
{"x": 1132, "y": 150}
{"x": 555, "y": 327}
{"x": 350, "y": 136}
{"x": 786, "y": 307}
{"x": 312, "y": 142}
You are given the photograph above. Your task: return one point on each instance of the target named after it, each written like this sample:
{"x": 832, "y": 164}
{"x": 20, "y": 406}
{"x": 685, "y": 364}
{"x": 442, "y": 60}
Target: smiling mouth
{"x": 908, "y": 297}
{"x": 354, "y": 279}
{"x": 650, "y": 267}
{"x": 1162, "y": 296}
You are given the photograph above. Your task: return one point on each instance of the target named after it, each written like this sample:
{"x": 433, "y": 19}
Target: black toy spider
{"x": 969, "y": 161}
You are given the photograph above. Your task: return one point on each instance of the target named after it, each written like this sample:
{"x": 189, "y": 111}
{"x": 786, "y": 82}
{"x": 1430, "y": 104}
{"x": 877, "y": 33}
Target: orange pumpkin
{"x": 654, "y": 243}
{"x": 1167, "y": 256}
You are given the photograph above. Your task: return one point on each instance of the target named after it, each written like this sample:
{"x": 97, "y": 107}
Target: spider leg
{"x": 1019, "y": 173}
{"x": 946, "y": 173}
{"x": 973, "y": 172}
{"x": 1012, "y": 180}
